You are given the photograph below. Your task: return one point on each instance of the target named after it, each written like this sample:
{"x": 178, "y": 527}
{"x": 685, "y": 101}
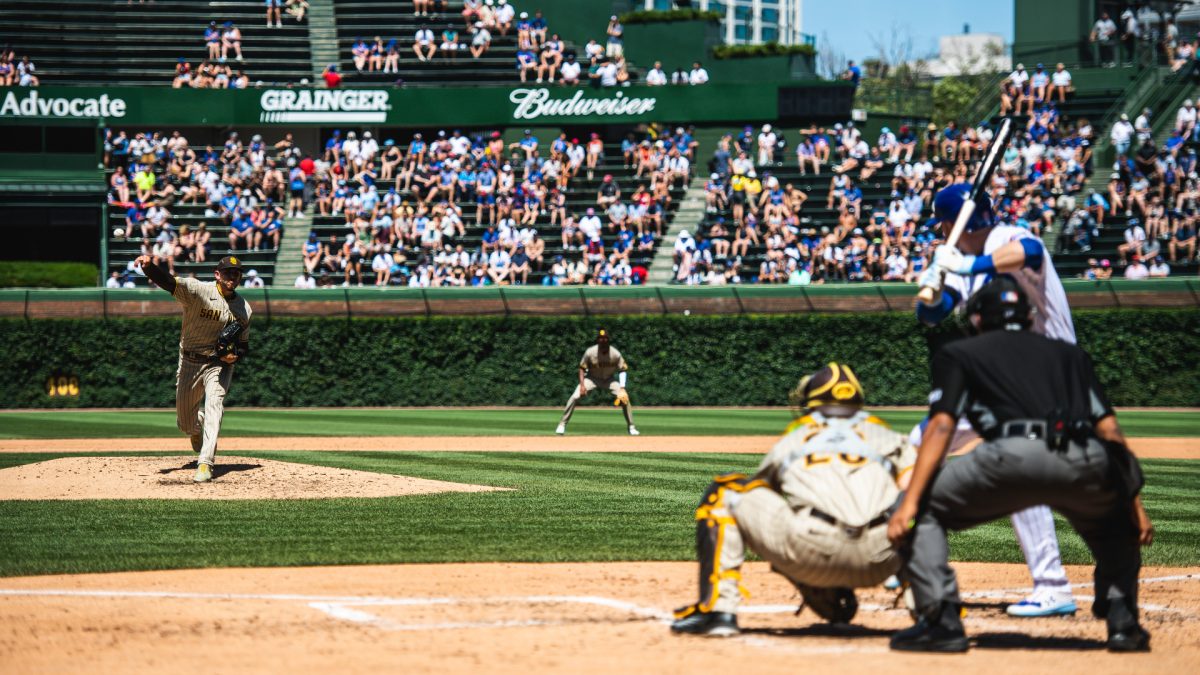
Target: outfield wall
{"x": 1147, "y": 357}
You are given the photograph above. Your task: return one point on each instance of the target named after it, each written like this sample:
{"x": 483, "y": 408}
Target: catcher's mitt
{"x": 835, "y": 605}
{"x": 622, "y": 398}
{"x": 227, "y": 341}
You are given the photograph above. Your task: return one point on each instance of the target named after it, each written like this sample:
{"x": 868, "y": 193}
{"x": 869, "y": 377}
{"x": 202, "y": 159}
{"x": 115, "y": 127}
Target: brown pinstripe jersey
{"x": 205, "y": 313}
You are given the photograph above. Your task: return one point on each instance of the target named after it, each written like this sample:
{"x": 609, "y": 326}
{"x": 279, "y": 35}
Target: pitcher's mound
{"x": 233, "y": 478}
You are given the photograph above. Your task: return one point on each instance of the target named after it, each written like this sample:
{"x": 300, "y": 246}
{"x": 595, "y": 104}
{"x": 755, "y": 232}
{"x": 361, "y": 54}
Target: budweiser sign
{"x": 535, "y": 103}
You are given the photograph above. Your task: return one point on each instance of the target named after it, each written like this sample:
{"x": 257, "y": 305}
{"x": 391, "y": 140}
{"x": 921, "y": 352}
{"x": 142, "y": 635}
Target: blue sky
{"x": 851, "y": 23}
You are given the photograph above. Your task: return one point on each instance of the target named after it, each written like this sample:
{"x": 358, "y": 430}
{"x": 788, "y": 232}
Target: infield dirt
{"x": 538, "y": 618}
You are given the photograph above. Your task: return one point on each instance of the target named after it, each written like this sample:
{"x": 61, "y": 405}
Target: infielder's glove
{"x": 622, "y": 398}
{"x": 227, "y": 341}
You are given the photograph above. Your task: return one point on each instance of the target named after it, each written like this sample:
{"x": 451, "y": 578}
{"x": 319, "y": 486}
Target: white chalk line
{"x": 343, "y": 608}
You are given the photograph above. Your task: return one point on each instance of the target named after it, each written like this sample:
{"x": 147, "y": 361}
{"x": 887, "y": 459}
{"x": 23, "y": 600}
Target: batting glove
{"x": 951, "y": 259}
{"x": 931, "y": 278}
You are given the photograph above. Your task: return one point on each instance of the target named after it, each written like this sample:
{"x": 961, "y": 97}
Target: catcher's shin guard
{"x": 719, "y": 546}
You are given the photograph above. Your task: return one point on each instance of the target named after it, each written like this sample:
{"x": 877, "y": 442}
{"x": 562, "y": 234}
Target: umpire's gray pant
{"x": 1010, "y": 474}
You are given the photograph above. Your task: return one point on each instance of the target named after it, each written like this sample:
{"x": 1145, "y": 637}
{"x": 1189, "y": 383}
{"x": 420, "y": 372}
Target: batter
{"x": 602, "y": 367}
{"x": 816, "y": 509}
{"x": 203, "y": 377}
{"x": 985, "y": 251}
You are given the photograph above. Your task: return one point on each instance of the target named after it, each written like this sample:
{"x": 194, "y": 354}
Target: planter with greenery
{"x": 661, "y": 16}
{"x": 765, "y": 49}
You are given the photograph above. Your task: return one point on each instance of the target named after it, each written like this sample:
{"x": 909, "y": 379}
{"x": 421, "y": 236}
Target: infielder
{"x": 203, "y": 376}
{"x": 1050, "y": 437}
{"x": 984, "y": 251}
{"x": 816, "y": 509}
{"x": 597, "y": 368}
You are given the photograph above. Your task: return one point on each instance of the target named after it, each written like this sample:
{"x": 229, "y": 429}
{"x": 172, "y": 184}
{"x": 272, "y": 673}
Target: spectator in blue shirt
{"x": 853, "y": 73}
{"x": 526, "y": 63}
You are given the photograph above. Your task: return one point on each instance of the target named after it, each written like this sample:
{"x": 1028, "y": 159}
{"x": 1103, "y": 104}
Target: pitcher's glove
{"x": 228, "y": 349}
{"x": 622, "y": 398}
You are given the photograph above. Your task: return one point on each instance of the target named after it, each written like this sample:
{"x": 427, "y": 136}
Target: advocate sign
{"x": 33, "y": 104}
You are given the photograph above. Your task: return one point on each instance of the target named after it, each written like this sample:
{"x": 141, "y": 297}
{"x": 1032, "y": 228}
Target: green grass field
{"x": 481, "y": 422}
{"x": 565, "y": 506}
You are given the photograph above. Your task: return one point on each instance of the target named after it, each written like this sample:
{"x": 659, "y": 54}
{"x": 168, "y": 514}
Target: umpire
{"x": 1050, "y": 437}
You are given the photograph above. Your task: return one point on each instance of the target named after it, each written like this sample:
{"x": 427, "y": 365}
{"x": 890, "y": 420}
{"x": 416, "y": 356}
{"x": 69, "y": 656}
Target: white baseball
{"x": 119, "y": 232}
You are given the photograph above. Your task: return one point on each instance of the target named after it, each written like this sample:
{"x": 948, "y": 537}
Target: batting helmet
{"x": 834, "y": 389}
{"x": 1000, "y": 305}
{"x": 949, "y": 202}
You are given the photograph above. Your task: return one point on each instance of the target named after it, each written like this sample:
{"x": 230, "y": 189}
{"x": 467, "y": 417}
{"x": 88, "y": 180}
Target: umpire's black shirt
{"x": 1006, "y": 375}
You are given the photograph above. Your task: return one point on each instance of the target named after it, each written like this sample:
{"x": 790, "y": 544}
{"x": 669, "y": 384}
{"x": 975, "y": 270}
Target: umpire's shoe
{"x": 942, "y": 632}
{"x": 692, "y": 621}
{"x": 1124, "y": 632}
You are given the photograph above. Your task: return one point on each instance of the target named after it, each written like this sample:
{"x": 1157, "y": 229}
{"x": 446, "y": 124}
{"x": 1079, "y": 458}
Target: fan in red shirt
{"x": 332, "y": 77}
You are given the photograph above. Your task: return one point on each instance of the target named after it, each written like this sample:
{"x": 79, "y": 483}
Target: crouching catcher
{"x": 817, "y": 509}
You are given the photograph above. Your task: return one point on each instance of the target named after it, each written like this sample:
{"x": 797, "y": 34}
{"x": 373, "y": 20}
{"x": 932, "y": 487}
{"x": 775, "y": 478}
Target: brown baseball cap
{"x": 230, "y": 262}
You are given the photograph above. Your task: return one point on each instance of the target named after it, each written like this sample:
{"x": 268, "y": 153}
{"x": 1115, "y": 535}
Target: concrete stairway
{"x": 689, "y": 216}
{"x": 322, "y": 38}
{"x": 289, "y": 263}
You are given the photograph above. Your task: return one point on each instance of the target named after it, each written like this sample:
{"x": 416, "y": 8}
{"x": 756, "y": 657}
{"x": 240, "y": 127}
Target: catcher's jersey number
{"x": 62, "y": 385}
{"x": 817, "y": 459}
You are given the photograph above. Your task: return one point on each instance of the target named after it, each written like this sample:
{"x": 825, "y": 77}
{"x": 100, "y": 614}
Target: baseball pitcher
{"x": 602, "y": 367}
{"x": 986, "y": 250}
{"x": 817, "y": 509}
{"x": 216, "y": 324}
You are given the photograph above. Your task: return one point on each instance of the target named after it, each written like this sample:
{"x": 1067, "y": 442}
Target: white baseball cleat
{"x": 1041, "y": 603}
{"x": 633, "y": 431}
{"x": 562, "y": 429}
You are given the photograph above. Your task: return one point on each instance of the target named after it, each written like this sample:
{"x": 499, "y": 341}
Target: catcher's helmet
{"x": 1000, "y": 304}
{"x": 834, "y": 389}
{"x": 949, "y": 202}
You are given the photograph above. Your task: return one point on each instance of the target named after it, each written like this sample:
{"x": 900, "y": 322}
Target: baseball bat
{"x": 991, "y": 158}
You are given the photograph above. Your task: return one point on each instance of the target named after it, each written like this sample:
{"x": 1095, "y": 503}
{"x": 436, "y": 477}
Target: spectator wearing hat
{"x": 1131, "y": 31}
{"x": 504, "y": 16}
{"x": 332, "y": 78}
{"x": 231, "y": 40}
{"x": 423, "y": 44}
{"x": 1159, "y": 269}
{"x": 551, "y": 58}
{"x": 212, "y": 40}
{"x": 481, "y": 39}
{"x": 1122, "y": 135}
{"x": 615, "y": 48}
{"x": 1136, "y": 269}
{"x": 1183, "y": 239}
{"x": 1135, "y": 240}
{"x": 1103, "y": 36}
{"x": 1060, "y": 83}
{"x": 1185, "y": 119}
{"x": 853, "y": 73}
{"x": 569, "y": 71}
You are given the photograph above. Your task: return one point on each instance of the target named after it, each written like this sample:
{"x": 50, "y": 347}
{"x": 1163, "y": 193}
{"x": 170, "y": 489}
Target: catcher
{"x": 817, "y": 509}
{"x": 216, "y": 322}
{"x": 599, "y": 364}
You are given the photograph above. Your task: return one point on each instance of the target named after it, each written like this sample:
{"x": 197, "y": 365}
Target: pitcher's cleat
{"x": 562, "y": 429}
{"x": 203, "y": 474}
{"x": 633, "y": 431}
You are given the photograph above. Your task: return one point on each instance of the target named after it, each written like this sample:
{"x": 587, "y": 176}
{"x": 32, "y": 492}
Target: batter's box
{"x": 415, "y": 614}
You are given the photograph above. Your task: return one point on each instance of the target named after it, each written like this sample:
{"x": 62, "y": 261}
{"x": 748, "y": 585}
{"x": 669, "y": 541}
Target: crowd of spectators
{"x": 17, "y": 71}
{"x": 247, "y": 186}
{"x": 405, "y": 208}
{"x": 223, "y": 41}
{"x": 847, "y": 236}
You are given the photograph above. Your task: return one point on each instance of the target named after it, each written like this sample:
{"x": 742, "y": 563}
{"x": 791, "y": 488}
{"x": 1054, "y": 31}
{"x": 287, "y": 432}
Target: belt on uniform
{"x": 196, "y": 356}
{"x": 852, "y": 531}
{"x": 1031, "y": 429}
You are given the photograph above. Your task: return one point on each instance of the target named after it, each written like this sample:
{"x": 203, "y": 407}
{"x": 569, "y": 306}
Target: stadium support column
{"x": 322, "y": 37}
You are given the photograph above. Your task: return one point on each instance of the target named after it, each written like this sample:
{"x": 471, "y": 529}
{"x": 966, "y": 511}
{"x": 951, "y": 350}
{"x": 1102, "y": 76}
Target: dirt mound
{"x": 233, "y": 478}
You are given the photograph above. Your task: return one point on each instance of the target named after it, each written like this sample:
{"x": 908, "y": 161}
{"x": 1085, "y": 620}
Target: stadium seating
{"x": 395, "y": 20}
{"x": 581, "y": 196}
{"x": 85, "y": 42}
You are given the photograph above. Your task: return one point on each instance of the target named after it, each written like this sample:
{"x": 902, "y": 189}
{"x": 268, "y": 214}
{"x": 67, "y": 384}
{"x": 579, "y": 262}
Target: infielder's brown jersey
{"x": 845, "y": 467}
{"x": 603, "y": 368}
{"x": 205, "y": 313}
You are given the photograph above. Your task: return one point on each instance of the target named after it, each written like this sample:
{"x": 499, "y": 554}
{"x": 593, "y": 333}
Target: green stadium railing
{"x": 32, "y": 304}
